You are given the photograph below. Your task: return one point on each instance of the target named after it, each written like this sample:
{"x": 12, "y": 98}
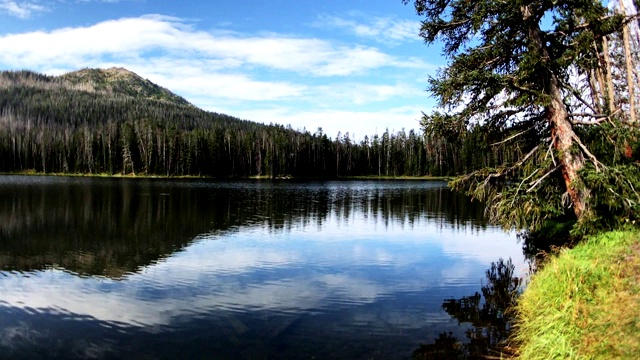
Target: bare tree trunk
{"x": 595, "y": 94}
{"x": 629, "y": 66}
{"x": 609, "y": 85}
{"x": 603, "y": 87}
{"x": 599, "y": 80}
{"x": 562, "y": 134}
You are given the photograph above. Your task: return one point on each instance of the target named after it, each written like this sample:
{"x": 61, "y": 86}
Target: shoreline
{"x": 254, "y": 177}
{"x": 583, "y": 303}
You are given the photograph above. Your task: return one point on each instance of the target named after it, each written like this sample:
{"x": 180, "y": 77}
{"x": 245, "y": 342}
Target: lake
{"x": 159, "y": 268}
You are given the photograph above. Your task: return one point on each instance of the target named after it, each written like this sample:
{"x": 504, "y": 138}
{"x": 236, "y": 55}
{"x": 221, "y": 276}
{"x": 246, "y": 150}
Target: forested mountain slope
{"x": 113, "y": 121}
{"x": 120, "y": 81}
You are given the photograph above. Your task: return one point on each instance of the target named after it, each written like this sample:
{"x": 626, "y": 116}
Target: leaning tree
{"x": 538, "y": 76}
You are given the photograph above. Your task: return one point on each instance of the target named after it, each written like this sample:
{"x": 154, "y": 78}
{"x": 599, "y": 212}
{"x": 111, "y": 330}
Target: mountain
{"x": 118, "y": 80}
{"x": 112, "y": 82}
{"x": 112, "y": 121}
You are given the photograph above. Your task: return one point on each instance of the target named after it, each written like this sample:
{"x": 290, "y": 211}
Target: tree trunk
{"x": 595, "y": 94}
{"x": 627, "y": 55}
{"x": 607, "y": 61}
{"x": 603, "y": 87}
{"x": 562, "y": 134}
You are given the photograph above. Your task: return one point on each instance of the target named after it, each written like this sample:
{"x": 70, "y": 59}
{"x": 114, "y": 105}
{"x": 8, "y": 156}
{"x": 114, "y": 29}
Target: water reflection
{"x": 113, "y": 227}
{"x": 489, "y": 315}
{"x": 95, "y": 268}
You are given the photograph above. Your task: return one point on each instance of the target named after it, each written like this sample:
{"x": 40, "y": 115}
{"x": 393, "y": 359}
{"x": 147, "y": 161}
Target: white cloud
{"x": 235, "y": 87}
{"x": 385, "y": 30}
{"x": 332, "y": 121}
{"x": 131, "y": 38}
{"x": 359, "y": 94}
{"x": 103, "y": 1}
{"x": 21, "y": 9}
{"x": 265, "y": 77}
{"x": 206, "y": 81}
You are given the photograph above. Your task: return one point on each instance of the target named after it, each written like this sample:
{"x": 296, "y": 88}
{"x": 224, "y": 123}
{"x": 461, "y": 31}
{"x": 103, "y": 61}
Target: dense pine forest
{"x": 114, "y": 122}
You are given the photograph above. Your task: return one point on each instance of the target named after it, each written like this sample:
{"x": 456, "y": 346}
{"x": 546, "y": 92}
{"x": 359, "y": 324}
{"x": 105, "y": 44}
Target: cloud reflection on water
{"x": 254, "y": 271}
{"x": 372, "y": 257}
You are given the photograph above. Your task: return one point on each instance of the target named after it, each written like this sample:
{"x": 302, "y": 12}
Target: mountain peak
{"x": 118, "y": 80}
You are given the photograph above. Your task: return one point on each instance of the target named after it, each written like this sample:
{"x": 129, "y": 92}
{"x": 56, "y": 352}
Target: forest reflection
{"x": 487, "y": 312}
{"x": 112, "y": 227}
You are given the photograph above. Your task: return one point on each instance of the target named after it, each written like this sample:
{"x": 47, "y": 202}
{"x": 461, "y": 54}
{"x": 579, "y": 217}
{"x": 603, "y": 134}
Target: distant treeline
{"x": 49, "y": 125}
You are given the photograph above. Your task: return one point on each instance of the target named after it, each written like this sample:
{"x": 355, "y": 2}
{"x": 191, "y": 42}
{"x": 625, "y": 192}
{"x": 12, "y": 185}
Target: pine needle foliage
{"x": 525, "y": 72}
{"x": 112, "y": 121}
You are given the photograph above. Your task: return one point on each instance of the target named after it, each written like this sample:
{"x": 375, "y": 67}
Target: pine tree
{"x": 519, "y": 68}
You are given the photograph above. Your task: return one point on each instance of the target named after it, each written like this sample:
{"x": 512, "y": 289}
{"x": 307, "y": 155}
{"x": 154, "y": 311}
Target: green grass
{"x": 584, "y": 303}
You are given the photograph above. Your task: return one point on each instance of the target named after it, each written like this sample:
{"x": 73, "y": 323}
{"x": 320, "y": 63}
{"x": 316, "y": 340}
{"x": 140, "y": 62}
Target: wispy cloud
{"x": 21, "y": 9}
{"x": 333, "y": 121}
{"x": 103, "y": 1}
{"x": 265, "y": 77}
{"x": 350, "y": 93}
{"x": 137, "y": 37}
{"x": 194, "y": 80}
{"x": 385, "y": 30}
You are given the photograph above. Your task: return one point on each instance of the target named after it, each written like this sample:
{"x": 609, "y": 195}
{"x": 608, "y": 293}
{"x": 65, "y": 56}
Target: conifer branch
{"x": 577, "y": 95}
{"x": 550, "y": 152}
{"x": 539, "y": 181}
{"x": 592, "y": 157}
{"x": 526, "y": 157}
{"x": 521, "y": 183}
{"x": 512, "y": 137}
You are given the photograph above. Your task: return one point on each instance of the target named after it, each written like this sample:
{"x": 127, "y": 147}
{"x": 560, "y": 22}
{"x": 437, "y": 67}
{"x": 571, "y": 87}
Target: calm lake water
{"x": 146, "y": 269}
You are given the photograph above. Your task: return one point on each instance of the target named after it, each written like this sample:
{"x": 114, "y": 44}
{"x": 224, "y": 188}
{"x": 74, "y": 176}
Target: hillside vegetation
{"x": 120, "y": 81}
{"x": 112, "y": 121}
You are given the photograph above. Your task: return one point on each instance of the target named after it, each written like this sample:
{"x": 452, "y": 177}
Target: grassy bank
{"x": 585, "y": 302}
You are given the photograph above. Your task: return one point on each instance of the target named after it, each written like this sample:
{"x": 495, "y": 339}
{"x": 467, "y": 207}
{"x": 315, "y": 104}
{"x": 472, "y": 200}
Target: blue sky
{"x": 351, "y": 66}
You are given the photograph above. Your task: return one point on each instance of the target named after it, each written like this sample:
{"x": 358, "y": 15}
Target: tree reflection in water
{"x": 489, "y": 315}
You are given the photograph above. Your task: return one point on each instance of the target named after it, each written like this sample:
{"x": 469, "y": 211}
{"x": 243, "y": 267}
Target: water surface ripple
{"x": 131, "y": 268}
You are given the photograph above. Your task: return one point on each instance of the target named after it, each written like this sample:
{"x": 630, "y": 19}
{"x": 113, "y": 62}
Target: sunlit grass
{"x": 584, "y": 303}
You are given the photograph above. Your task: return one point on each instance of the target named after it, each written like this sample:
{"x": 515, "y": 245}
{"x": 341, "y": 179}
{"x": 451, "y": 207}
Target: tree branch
{"x": 594, "y": 160}
{"x": 512, "y": 82}
{"x": 550, "y": 151}
{"x": 597, "y": 116}
{"x": 586, "y": 122}
{"x": 511, "y": 137}
{"x": 522, "y": 182}
{"x": 529, "y": 154}
{"x": 576, "y": 93}
{"x": 539, "y": 181}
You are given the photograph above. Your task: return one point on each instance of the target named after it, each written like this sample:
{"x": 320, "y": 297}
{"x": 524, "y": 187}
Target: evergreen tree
{"x": 518, "y": 68}
{"x": 114, "y": 122}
